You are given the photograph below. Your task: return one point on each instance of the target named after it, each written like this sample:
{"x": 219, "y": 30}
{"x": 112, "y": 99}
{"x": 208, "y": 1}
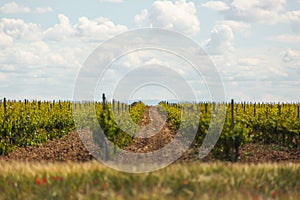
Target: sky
{"x": 254, "y": 45}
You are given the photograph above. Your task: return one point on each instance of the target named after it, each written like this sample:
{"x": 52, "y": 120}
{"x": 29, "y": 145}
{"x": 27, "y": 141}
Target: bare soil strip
{"x": 154, "y": 134}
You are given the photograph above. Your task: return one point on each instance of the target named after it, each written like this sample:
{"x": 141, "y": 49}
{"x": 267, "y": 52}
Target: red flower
{"x": 95, "y": 182}
{"x": 61, "y": 179}
{"x": 274, "y": 193}
{"x": 45, "y": 180}
{"x": 38, "y": 182}
{"x": 255, "y": 197}
{"x": 185, "y": 182}
{"x": 104, "y": 186}
{"x": 55, "y": 178}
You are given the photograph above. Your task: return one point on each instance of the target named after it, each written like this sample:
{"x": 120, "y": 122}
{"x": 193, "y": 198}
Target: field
{"x": 42, "y": 156}
{"x": 91, "y": 180}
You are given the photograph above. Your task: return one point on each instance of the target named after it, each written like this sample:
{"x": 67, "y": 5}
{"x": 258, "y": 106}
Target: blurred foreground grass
{"x": 179, "y": 181}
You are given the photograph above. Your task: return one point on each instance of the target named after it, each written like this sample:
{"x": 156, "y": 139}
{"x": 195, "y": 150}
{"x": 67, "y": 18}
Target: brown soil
{"x": 67, "y": 148}
{"x": 151, "y": 137}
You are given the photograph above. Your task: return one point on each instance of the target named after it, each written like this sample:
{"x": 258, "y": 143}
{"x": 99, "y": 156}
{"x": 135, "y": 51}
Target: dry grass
{"x": 92, "y": 180}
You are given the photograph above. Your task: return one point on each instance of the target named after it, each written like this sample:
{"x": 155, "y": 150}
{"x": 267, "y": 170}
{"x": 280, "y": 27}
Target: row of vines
{"x": 31, "y": 123}
{"x": 244, "y": 123}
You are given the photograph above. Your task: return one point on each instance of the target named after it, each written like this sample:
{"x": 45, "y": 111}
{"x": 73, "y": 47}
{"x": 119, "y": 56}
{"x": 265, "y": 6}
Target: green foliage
{"x": 33, "y": 123}
{"x": 270, "y": 124}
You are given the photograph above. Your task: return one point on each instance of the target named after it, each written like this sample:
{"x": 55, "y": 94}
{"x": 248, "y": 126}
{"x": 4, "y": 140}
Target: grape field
{"x": 31, "y": 123}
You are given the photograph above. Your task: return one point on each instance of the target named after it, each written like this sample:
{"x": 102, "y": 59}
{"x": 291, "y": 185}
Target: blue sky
{"x": 254, "y": 44}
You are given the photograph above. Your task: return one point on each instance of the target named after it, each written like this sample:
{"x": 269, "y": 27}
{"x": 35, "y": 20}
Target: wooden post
{"x": 4, "y": 104}
{"x": 298, "y": 111}
{"x": 205, "y": 105}
{"x": 103, "y": 102}
{"x": 39, "y": 105}
{"x": 254, "y": 109}
{"x": 279, "y": 109}
{"x": 118, "y": 106}
{"x": 267, "y": 112}
{"x": 25, "y": 103}
{"x": 233, "y": 149}
{"x": 232, "y": 114}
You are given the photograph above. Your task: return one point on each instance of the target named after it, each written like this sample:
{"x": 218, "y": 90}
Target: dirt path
{"x": 154, "y": 134}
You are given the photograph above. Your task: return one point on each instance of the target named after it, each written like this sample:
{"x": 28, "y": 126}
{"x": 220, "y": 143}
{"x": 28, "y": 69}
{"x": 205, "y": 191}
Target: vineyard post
{"x": 279, "y": 109}
{"x": 298, "y": 111}
{"x": 205, "y": 105}
{"x": 233, "y": 155}
{"x": 232, "y": 114}
{"x": 118, "y": 106}
{"x": 113, "y": 104}
{"x": 267, "y": 112}
{"x": 103, "y": 102}
{"x": 254, "y": 109}
{"x": 4, "y": 104}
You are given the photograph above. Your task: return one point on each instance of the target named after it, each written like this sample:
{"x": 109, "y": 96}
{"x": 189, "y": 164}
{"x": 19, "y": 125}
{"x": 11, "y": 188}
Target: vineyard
{"x": 32, "y": 123}
{"x": 244, "y": 123}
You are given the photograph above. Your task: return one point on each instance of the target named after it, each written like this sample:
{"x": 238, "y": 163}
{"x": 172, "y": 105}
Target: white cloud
{"x": 220, "y": 41}
{"x": 18, "y": 29}
{"x": 7, "y": 68}
{"x": 14, "y": 8}
{"x": 290, "y": 55}
{"x": 287, "y": 38}
{"x": 36, "y": 58}
{"x": 179, "y": 16}
{"x": 98, "y": 29}
{"x": 111, "y": 1}
{"x": 5, "y": 40}
{"x": 236, "y": 26}
{"x": 61, "y": 31}
{"x": 141, "y": 18}
{"x": 42, "y": 10}
{"x": 294, "y": 18}
{"x": 216, "y": 5}
{"x": 85, "y": 29}
{"x": 249, "y": 61}
{"x": 266, "y": 11}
